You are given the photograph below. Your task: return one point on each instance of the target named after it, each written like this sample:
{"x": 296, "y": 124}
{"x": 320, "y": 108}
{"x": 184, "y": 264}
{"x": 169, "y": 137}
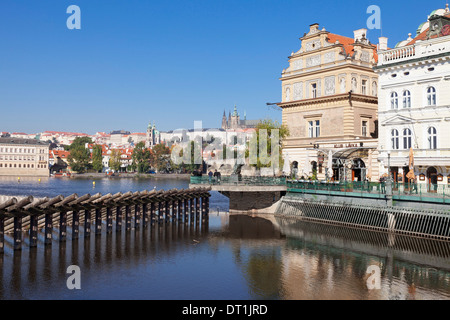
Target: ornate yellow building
{"x": 329, "y": 103}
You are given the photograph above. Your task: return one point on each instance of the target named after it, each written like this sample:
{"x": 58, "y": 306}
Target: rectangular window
{"x": 314, "y": 129}
{"x": 311, "y": 129}
{"x": 364, "y": 128}
{"x": 364, "y": 87}
{"x": 314, "y": 90}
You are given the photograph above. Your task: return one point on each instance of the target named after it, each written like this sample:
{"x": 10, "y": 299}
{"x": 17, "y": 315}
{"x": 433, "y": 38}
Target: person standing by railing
{"x": 210, "y": 175}
{"x": 217, "y": 175}
{"x": 383, "y": 185}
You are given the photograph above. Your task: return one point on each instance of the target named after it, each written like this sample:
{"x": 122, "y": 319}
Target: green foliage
{"x": 114, "y": 160}
{"x": 80, "y": 156}
{"x": 160, "y": 158}
{"x": 264, "y": 156}
{"x": 97, "y": 157}
{"x": 141, "y": 158}
{"x": 189, "y": 165}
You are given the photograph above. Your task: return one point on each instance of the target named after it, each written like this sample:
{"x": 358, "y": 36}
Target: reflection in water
{"x": 231, "y": 257}
{"x": 40, "y": 273}
{"x": 328, "y": 262}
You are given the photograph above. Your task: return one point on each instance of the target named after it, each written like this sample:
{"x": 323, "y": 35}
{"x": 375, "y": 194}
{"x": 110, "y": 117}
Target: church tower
{"x": 150, "y": 139}
{"x": 224, "y": 121}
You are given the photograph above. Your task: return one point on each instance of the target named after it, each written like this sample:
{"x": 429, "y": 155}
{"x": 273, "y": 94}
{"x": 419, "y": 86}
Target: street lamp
{"x": 389, "y": 165}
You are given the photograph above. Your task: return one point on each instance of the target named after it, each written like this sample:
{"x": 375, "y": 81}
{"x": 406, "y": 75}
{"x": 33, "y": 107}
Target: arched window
{"x": 406, "y": 99}
{"x": 431, "y": 96}
{"x": 395, "y": 140}
{"x": 394, "y": 100}
{"x": 407, "y": 139}
{"x": 432, "y": 138}
{"x": 354, "y": 85}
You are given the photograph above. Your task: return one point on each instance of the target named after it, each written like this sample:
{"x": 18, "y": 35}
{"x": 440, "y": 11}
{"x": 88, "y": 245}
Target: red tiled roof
{"x": 59, "y": 153}
{"x": 66, "y": 133}
{"x": 347, "y": 43}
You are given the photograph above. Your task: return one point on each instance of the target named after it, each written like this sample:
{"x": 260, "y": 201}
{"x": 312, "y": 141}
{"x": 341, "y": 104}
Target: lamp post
{"x": 389, "y": 183}
{"x": 389, "y": 165}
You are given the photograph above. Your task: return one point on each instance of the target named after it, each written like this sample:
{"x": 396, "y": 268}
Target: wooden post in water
{"x": 167, "y": 211}
{"x": 174, "y": 210}
{"x": 17, "y": 233}
{"x": 98, "y": 220}
{"x": 197, "y": 208}
{"x": 144, "y": 215}
{"x": 48, "y": 228}
{"x": 152, "y": 213}
{"x": 186, "y": 210}
{"x": 62, "y": 226}
{"x": 180, "y": 209}
{"x": 33, "y": 230}
{"x": 109, "y": 219}
{"x": 161, "y": 210}
{"x": 75, "y": 224}
{"x": 203, "y": 208}
{"x": 87, "y": 222}
{"x": 4, "y": 206}
{"x": 127, "y": 218}
{"x": 118, "y": 218}
{"x": 192, "y": 212}
{"x": 137, "y": 215}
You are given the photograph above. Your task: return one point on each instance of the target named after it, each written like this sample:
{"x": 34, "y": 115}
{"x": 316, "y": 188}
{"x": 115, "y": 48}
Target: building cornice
{"x": 345, "y": 65}
{"x": 337, "y": 97}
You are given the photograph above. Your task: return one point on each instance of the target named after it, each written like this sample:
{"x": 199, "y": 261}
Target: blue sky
{"x": 172, "y": 62}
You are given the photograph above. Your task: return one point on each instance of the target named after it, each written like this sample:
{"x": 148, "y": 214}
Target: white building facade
{"x": 414, "y": 104}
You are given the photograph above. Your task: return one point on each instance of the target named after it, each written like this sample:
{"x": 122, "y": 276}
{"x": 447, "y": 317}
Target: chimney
{"x": 314, "y": 28}
{"x": 360, "y": 34}
{"x": 383, "y": 43}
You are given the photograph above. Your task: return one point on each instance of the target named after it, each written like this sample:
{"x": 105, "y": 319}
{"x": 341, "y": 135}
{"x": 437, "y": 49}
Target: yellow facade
{"x": 329, "y": 98}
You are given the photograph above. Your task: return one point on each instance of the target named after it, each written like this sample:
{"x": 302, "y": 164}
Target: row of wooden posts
{"x": 30, "y": 215}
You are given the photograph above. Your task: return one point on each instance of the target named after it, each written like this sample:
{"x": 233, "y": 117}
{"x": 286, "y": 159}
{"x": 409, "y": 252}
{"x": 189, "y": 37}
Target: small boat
{"x": 61, "y": 174}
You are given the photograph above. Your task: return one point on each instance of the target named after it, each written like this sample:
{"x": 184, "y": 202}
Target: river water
{"x": 229, "y": 258}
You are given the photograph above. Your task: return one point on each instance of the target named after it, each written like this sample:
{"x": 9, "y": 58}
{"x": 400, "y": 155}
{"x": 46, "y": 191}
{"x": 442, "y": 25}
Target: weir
{"x": 433, "y": 224}
{"x": 25, "y": 217}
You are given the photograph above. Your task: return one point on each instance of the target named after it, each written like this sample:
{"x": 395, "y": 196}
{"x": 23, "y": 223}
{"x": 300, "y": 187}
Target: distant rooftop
{"x": 23, "y": 141}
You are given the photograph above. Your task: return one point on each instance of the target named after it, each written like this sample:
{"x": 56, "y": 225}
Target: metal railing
{"x": 400, "y": 191}
{"x": 244, "y": 180}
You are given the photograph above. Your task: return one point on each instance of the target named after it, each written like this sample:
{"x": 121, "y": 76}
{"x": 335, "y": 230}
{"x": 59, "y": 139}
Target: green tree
{"x": 114, "y": 160}
{"x": 160, "y": 157}
{"x": 80, "y": 156}
{"x": 141, "y": 158}
{"x": 97, "y": 157}
{"x": 272, "y": 127}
